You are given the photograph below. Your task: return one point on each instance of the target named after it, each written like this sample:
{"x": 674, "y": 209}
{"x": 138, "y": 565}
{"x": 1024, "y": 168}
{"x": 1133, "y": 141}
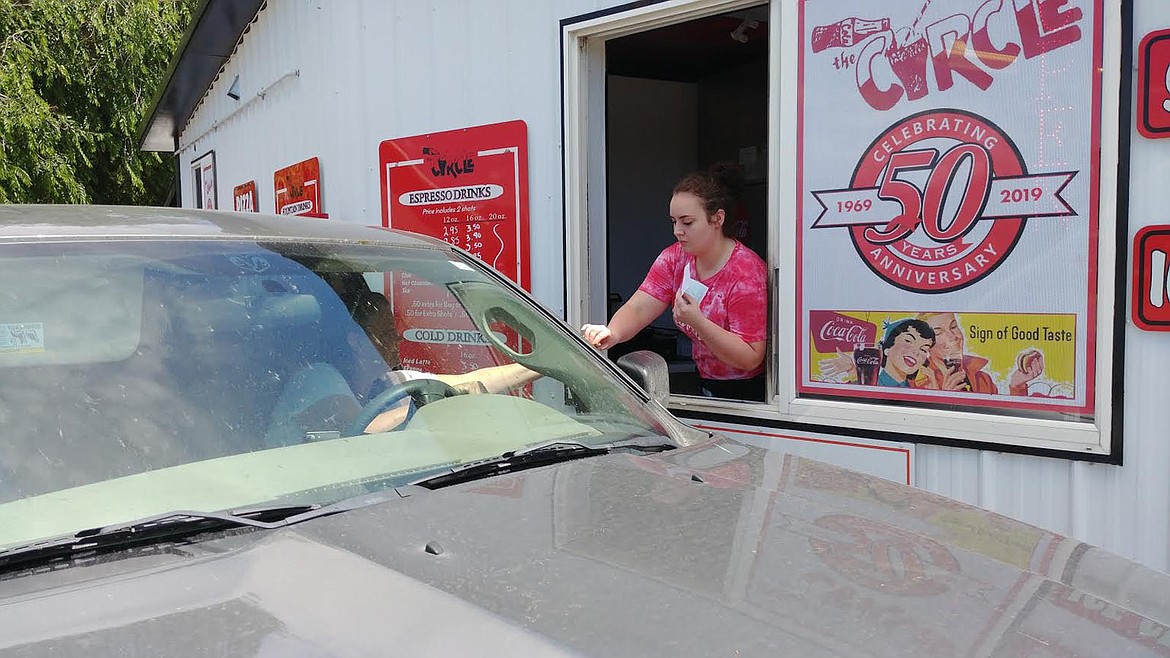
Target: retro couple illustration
{"x": 928, "y": 351}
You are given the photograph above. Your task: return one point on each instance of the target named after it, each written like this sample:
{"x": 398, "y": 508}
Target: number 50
{"x": 927, "y": 207}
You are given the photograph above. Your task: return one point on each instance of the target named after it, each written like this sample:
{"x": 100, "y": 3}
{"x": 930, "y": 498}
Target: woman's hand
{"x": 686, "y": 311}
{"x": 840, "y": 367}
{"x": 632, "y": 317}
{"x": 598, "y": 335}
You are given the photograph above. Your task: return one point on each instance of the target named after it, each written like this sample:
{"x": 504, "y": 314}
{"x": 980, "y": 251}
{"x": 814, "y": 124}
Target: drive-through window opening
{"x": 680, "y": 98}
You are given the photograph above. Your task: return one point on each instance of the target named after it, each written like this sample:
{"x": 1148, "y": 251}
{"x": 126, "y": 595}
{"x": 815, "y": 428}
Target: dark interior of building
{"x": 681, "y": 98}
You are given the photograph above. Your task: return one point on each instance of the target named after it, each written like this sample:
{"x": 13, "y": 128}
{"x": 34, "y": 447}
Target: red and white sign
{"x": 884, "y": 211}
{"x": 1153, "y": 85}
{"x": 1151, "y": 278}
{"x": 834, "y": 332}
{"x": 468, "y": 187}
{"x": 437, "y": 335}
{"x": 949, "y": 156}
{"x": 244, "y": 197}
{"x": 298, "y": 189}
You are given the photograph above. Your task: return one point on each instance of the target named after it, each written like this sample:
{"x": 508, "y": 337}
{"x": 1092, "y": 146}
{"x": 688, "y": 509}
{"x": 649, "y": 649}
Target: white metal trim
{"x": 576, "y": 185}
{"x": 1107, "y": 220}
{"x": 642, "y": 19}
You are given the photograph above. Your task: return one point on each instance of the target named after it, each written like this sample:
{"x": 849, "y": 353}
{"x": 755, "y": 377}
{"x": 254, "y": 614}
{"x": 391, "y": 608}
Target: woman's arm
{"x": 730, "y": 348}
{"x": 638, "y": 312}
{"x": 727, "y": 346}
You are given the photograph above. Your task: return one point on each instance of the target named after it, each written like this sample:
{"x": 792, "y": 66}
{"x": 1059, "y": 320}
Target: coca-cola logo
{"x": 868, "y": 359}
{"x": 834, "y": 331}
{"x": 848, "y": 333}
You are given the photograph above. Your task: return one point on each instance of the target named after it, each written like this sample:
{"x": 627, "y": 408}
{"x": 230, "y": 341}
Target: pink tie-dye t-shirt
{"x": 736, "y": 299}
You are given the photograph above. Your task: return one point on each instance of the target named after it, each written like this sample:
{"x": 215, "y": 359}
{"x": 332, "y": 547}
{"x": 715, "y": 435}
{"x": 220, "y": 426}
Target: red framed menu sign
{"x": 468, "y": 187}
{"x": 244, "y": 197}
{"x": 1153, "y": 85}
{"x": 1151, "y": 278}
{"x": 297, "y": 189}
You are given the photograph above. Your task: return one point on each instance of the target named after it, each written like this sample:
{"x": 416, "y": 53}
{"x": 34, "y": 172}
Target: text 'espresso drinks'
{"x": 868, "y": 360}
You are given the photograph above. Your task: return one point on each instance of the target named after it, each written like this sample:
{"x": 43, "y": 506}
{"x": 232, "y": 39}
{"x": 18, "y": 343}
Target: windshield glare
{"x": 143, "y": 377}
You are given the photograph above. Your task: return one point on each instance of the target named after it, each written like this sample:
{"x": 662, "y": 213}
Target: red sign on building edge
{"x": 244, "y": 198}
{"x": 1153, "y": 85}
{"x": 297, "y": 189}
{"x": 1151, "y": 283}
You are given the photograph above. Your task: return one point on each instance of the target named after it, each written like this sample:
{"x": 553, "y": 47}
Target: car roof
{"x": 20, "y": 223}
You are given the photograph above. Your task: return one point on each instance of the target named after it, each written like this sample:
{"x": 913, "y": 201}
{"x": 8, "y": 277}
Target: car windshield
{"x": 141, "y": 377}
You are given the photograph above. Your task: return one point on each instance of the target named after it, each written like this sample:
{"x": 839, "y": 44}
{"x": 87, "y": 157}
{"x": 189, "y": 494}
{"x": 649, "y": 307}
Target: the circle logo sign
{"x": 938, "y": 167}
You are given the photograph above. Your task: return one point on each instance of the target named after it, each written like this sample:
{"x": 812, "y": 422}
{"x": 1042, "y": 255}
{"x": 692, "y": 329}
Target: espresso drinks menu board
{"x": 468, "y": 187}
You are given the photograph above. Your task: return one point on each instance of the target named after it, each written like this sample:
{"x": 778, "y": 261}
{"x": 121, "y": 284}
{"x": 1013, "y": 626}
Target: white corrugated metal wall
{"x": 370, "y": 70}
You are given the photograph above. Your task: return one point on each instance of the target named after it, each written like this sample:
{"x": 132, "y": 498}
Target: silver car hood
{"x": 716, "y": 550}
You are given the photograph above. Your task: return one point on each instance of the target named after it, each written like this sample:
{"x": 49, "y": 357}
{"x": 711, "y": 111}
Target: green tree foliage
{"x": 76, "y": 77}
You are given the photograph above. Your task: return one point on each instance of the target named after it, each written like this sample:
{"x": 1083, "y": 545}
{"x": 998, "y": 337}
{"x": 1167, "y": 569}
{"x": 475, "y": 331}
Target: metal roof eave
{"x": 215, "y": 29}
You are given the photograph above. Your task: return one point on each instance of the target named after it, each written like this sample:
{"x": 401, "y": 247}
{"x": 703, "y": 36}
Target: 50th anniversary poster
{"x": 948, "y": 201}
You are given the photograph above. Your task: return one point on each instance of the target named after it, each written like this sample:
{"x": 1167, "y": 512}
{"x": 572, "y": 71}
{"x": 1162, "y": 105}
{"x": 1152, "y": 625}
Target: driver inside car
{"x": 372, "y": 313}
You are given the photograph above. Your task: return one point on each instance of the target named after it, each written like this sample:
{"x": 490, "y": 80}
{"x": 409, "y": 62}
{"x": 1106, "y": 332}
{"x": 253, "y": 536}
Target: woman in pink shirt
{"x": 716, "y": 285}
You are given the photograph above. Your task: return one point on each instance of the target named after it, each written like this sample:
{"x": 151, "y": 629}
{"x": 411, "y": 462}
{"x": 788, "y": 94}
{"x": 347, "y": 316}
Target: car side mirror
{"x": 649, "y": 371}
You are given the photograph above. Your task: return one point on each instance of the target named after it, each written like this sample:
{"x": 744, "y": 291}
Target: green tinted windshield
{"x": 143, "y": 377}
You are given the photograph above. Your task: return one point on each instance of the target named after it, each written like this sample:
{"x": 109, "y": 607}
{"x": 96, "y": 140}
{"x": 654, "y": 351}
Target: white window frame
{"x": 585, "y": 211}
{"x": 199, "y": 170}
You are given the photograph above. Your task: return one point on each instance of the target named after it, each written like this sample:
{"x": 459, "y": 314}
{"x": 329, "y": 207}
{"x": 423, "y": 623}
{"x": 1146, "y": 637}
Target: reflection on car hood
{"x": 719, "y": 549}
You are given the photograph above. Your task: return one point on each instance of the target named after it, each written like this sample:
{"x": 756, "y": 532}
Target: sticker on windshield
{"x": 250, "y": 262}
{"x": 23, "y": 337}
{"x": 462, "y": 266}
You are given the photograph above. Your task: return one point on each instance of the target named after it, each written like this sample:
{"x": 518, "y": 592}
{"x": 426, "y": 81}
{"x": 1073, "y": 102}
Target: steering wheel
{"x": 422, "y": 391}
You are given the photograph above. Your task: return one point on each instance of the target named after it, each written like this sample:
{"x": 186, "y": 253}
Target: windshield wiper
{"x": 176, "y": 525}
{"x": 535, "y": 456}
{"x": 156, "y": 529}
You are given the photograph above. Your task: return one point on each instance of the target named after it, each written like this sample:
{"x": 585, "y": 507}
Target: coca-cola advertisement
{"x": 867, "y": 363}
{"x": 944, "y": 353}
{"x": 949, "y": 169}
{"x": 833, "y": 331}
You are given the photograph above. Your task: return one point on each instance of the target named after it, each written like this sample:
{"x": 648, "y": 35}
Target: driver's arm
{"x": 389, "y": 419}
{"x": 496, "y": 379}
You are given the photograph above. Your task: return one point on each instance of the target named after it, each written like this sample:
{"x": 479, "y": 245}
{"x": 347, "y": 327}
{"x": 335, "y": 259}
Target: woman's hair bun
{"x": 728, "y": 174}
